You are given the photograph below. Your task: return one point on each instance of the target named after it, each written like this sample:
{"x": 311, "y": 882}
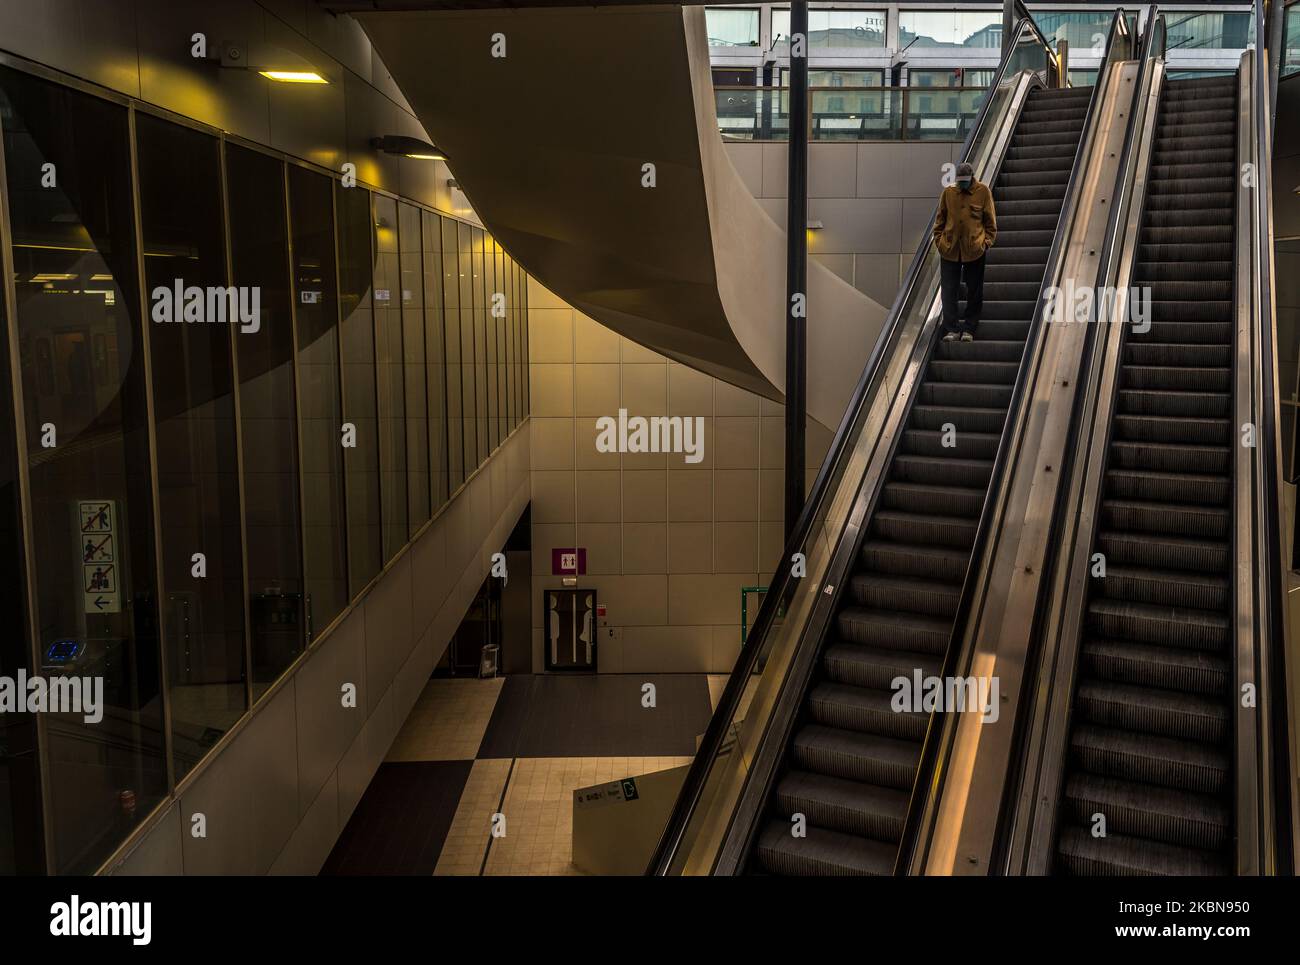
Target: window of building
{"x": 834, "y": 28}
{"x": 979, "y": 30}
{"x": 316, "y": 304}
{"x": 268, "y": 422}
{"x": 360, "y": 414}
{"x": 455, "y": 369}
{"x": 435, "y": 349}
{"x": 84, "y": 370}
{"x": 731, "y": 26}
{"x": 479, "y": 295}
{"x": 1196, "y": 30}
{"x": 950, "y": 77}
{"x": 194, "y": 421}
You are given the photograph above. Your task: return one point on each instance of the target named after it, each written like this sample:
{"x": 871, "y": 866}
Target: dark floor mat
{"x": 401, "y": 821}
{"x": 548, "y": 715}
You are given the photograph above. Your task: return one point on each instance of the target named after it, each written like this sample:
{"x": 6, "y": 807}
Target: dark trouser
{"x": 952, "y": 274}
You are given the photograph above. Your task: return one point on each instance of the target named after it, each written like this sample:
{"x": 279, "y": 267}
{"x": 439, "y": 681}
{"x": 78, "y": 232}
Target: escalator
{"x": 852, "y": 762}
{"x": 1151, "y": 729}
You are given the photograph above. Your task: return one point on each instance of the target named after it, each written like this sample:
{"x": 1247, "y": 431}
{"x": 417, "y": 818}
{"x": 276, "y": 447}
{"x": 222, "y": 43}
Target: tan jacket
{"x": 966, "y": 224}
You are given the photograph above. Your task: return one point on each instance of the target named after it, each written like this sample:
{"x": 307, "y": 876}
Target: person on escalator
{"x": 964, "y": 230}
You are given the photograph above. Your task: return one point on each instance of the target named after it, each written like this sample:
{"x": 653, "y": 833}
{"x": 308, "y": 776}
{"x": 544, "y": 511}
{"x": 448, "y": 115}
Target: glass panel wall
{"x": 731, "y": 27}
{"x": 415, "y": 362}
{"x": 264, "y": 354}
{"x": 270, "y": 378}
{"x": 194, "y": 422}
{"x": 1195, "y": 30}
{"x": 84, "y": 371}
{"x": 360, "y": 432}
{"x": 431, "y": 232}
{"x": 316, "y": 304}
{"x": 452, "y": 334}
{"x": 389, "y": 368}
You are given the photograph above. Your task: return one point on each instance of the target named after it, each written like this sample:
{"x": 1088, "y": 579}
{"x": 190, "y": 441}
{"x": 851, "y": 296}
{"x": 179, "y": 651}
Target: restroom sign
{"x": 568, "y": 561}
{"x": 97, "y": 550}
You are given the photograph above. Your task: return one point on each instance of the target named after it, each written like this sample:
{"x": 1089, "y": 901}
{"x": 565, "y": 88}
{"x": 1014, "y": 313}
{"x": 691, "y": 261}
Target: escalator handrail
{"x": 1269, "y": 546}
{"x": 941, "y": 729}
{"x": 729, "y": 702}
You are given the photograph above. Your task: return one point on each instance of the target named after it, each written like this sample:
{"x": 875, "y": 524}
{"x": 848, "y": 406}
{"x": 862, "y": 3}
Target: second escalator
{"x": 852, "y": 762}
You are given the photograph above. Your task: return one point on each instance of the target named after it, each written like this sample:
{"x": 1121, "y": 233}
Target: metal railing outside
{"x": 851, "y": 113}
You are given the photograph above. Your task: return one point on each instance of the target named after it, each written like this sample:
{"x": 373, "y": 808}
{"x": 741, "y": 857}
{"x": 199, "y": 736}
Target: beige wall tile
{"x": 771, "y": 543}
{"x": 696, "y": 600}
{"x": 707, "y": 462}
{"x": 772, "y": 443}
{"x": 600, "y": 496}
{"x": 587, "y": 455}
{"x": 630, "y": 351}
{"x": 604, "y": 545}
{"x": 551, "y": 445}
{"x": 645, "y": 389}
{"x": 729, "y": 400}
{"x": 550, "y": 334}
{"x": 675, "y": 649}
{"x": 771, "y": 494}
{"x": 648, "y": 460}
{"x": 552, "y": 390}
{"x": 553, "y": 496}
{"x": 736, "y": 547}
{"x": 635, "y": 601}
{"x": 736, "y": 442}
{"x": 726, "y": 645}
{"x": 645, "y": 548}
{"x": 690, "y": 496}
{"x": 690, "y": 393}
{"x": 595, "y": 342}
{"x": 690, "y": 547}
{"x": 539, "y": 296}
{"x": 596, "y": 389}
{"x": 645, "y": 496}
{"x": 736, "y": 494}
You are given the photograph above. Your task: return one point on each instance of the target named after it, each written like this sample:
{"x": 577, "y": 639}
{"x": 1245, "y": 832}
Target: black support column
{"x": 796, "y": 333}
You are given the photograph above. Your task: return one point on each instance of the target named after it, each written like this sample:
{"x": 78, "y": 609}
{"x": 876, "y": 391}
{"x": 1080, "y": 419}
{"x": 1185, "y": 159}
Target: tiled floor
{"x": 518, "y": 747}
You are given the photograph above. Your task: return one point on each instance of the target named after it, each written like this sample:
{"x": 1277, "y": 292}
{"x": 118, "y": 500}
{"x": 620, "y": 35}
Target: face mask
{"x": 964, "y": 184}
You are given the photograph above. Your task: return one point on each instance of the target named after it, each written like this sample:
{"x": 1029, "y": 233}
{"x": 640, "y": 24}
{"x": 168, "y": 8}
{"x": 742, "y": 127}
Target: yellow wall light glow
{"x": 294, "y": 76}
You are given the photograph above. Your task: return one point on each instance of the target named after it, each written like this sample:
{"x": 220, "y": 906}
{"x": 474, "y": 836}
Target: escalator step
{"x": 954, "y": 531}
{"x": 1189, "y": 333}
{"x": 821, "y": 853}
{"x": 1150, "y": 759}
{"x": 964, "y": 418}
{"x": 1160, "y": 428}
{"x": 1128, "y": 484}
{"x": 1149, "y": 272}
{"x": 865, "y": 711}
{"x": 942, "y": 370}
{"x": 1203, "y": 591}
{"x": 834, "y": 804}
{"x": 1079, "y": 853}
{"x": 984, "y": 350}
{"x": 894, "y": 631}
{"x": 964, "y": 445}
{"x": 1165, "y": 552}
{"x": 1170, "y": 519}
{"x": 1187, "y": 671}
{"x": 940, "y": 471}
{"x": 972, "y": 394}
{"x": 1147, "y": 710}
{"x": 857, "y": 666}
{"x": 1173, "y": 817}
{"x": 1165, "y": 625}
{"x": 904, "y": 594}
{"x": 1165, "y": 457}
{"x": 937, "y": 500}
{"x": 1177, "y": 378}
{"x": 937, "y": 562}
{"x": 869, "y": 758}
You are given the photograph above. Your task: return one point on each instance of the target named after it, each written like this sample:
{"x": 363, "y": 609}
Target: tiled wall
{"x": 875, "y": 200}
{"x": 669, "y": 544}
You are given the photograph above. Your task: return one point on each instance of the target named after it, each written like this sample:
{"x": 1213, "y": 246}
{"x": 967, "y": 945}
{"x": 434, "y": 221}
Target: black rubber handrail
{"x": 940, "y": 729}
{"x": 715, "y": 735}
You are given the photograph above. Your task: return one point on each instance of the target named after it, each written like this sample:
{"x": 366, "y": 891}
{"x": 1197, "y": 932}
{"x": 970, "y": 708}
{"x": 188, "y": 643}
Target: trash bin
{"x": 489, "y": 660}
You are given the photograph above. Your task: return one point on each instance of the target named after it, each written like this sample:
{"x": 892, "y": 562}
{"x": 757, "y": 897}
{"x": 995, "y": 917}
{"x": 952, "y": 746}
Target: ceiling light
{"x": 404, "y": 146}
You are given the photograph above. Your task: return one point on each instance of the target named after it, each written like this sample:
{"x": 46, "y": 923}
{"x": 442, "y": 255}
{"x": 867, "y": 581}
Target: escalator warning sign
{"x": 97, "y": 551}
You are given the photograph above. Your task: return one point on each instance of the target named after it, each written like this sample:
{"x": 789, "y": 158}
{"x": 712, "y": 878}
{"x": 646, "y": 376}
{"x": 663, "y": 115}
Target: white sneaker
{"x": 950, "y": 336}
{"x": 967, "y": 337}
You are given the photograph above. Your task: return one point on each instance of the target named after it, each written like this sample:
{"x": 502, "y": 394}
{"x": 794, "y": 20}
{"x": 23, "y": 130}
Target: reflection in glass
{"x": 451, "y": 340}
{"x": 834, "y": 28}
{"x": 410, "y": 242}
{"x": 194, "y": 418}
{"x": 981, "y": 30}
{"x": 729, "y": 27}
{"x": 1188, "y": 30}
{"x": 491, "y": 290}
{"x": 480, "y": 345}
{"x": 83, "y": 377}
{"x": 311, "y": 220}
{"x": 391, "y": 383}
{"x": 431, "y": 233}
{"x": 267, "y": 414}
{"x": 357, "y": 330}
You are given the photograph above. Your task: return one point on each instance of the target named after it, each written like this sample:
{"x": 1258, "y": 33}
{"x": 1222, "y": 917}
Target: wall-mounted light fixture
{"x": 816, "y": 225}
{"x": 273, "y": 63}
{"x": 404, "y": 146}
